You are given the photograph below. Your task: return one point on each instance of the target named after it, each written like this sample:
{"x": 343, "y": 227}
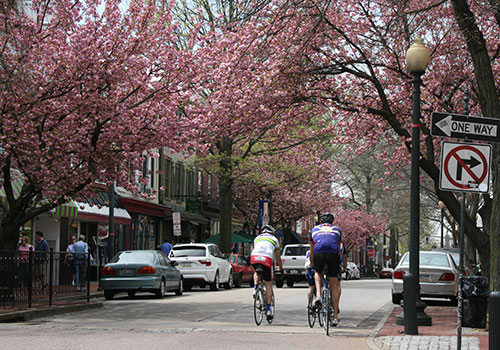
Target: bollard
{"x": 410, "y": 304}
{"x": 494, "y": 326}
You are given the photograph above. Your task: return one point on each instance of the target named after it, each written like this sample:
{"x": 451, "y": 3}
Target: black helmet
{"x": 268, "y": 229}
{"x": 326, "y": 218}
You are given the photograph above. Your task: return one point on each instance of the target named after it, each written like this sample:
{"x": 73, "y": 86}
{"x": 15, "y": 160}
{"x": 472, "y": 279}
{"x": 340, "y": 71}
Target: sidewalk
{"x": 442, "y": 335}
{"x": 40, "y": 306}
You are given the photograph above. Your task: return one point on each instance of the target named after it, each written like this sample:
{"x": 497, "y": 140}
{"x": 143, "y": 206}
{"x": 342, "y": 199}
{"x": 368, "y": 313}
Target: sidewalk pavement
{"x": 40, "y": 306}
{"x": 442, "y": 335}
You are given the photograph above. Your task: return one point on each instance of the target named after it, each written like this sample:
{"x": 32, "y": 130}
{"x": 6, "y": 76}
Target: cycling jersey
{"x": 263, "y": 252}
{"x": 326, "y": 238}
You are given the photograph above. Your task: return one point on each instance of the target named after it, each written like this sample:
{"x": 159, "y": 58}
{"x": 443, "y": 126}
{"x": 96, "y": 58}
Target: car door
{"x": 224, "y": 266}
{"x": 168, "y": 271}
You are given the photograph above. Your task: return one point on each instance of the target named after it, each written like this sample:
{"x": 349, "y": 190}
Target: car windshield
{"x": 429, "y": 259}
{"x": 296, "y": 250}
{"x": 188, "y": 251}
{"x": 133, "y": 256}
{"x": 231, "y": 258}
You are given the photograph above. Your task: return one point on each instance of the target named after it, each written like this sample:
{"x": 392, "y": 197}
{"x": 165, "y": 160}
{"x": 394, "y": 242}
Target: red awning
{"x": 140, "y": 207}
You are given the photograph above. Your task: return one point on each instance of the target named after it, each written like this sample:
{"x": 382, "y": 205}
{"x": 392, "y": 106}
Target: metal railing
{"x": 32, "y": 276}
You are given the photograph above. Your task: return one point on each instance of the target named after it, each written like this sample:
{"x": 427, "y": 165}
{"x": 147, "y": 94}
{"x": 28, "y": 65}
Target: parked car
{"x": 352, "y": 272}
{"x": 438, "y": 276}
{"x": 455, "y": 254}
{"x": 294, "y": 259}
{"x": 135, "y": 271}
{"x": 242, "y": 270}
{"x": 202, "y": 264}
{"x": 386, "y": 272}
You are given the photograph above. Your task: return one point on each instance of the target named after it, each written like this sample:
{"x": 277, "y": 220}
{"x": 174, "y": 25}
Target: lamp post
{"x": 417, "y": 58}
{"x": 441, "y": 207}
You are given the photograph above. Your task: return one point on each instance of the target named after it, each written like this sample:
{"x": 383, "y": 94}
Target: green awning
{"x": 235, "y": 238}
{"x": 17, "y": 182}
{"x": 66, "y": 210}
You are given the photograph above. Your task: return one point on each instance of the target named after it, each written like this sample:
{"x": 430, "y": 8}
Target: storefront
{"x": 149, "y": 220}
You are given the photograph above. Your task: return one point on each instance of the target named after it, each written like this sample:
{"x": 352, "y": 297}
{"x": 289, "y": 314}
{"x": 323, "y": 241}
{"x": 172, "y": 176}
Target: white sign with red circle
{"x": 465, "y": 167}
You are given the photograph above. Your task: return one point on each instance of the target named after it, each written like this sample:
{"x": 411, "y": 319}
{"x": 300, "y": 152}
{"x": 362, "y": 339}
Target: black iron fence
{"x": 28, "y": 276}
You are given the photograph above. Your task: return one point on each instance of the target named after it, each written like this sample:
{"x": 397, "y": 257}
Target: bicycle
{"x": 260, "y": 301}
{"x": 326, "y": 302}
{"x": 313, "y": 312}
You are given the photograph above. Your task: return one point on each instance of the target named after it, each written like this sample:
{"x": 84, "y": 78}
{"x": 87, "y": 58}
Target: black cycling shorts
{"x": 331, "y": 260}
{"x": 266, "y": 271}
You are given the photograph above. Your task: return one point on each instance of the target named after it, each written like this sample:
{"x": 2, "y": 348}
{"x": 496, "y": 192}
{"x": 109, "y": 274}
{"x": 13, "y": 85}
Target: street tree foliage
{"x": 244, "y": 104}
{"x": 351, "y": 57}
{"x": 86, "y": 89}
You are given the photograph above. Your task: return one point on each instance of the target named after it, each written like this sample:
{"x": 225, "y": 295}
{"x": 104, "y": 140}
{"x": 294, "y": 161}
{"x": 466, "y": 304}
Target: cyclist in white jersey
{"x": 266, "y": 249}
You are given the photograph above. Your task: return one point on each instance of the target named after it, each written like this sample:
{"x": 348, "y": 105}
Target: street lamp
{"x": 442, "y": 206}
{"x": 417, "y": 58}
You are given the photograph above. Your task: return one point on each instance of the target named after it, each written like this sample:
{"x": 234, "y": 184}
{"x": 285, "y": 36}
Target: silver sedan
{"x": 438, "y": 276}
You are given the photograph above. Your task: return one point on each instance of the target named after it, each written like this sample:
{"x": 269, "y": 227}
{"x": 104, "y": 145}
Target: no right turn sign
{"x": 465, "y": 167}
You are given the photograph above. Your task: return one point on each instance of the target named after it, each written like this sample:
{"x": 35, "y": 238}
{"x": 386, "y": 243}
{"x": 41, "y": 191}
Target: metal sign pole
{"x": 461, "y": 245}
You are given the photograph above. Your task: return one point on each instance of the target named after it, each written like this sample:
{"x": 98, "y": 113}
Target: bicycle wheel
{"x": 328, "y": 303}
{"x": 258, "y": 306}
{"x": 312, "y": 310}
{"x": 270, "y": 320}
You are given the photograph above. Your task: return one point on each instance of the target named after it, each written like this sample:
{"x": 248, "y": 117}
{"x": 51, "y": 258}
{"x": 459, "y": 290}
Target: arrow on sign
{"x": 472, "y": 162}
{"x": 445, "y": 125}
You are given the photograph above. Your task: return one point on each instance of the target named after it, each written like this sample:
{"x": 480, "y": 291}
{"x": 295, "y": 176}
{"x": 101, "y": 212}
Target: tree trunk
{"x": 490, "y": 108}
{"x": 225, "y": 193}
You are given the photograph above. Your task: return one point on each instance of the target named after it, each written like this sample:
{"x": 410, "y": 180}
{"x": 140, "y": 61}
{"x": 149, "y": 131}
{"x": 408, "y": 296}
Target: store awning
{"x": 198, "y": 218}
{"x": 17, "y": 182}
{"x": 142, "y": 207}
{"x": 66, "y": 210}
{"x": 92, "y": 212}
{"x": 235, "y": 238}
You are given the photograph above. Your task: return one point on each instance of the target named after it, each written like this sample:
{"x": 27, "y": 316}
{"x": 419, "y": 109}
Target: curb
{"x": 26, "y": 315}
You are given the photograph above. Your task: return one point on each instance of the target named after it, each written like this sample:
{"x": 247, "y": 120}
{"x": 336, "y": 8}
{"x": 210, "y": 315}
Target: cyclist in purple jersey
{"x": 325, "y": 241}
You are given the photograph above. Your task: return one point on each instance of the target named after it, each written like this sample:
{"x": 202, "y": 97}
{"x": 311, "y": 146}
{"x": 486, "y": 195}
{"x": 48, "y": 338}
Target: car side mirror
{"x": 174, "y": 263}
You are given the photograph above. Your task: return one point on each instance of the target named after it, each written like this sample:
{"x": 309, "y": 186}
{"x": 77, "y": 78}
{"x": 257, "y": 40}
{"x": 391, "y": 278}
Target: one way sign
{"x": 465, "y": 127}
{"x": 465, "y": 167}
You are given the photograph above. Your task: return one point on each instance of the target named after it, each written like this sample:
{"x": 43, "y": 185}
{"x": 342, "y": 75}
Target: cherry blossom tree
{"x": 86, "y": 89}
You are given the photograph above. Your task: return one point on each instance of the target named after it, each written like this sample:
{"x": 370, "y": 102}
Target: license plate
{"x": 186, "y": 264}
{"x": 127, "y": 272}
{"x": 425, "y": 278}
{"x": 294, "y": 271}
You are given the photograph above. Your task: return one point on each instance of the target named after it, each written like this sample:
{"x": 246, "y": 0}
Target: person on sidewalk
{"x": 69, "y": 259}
{"x": 80, "y": 250}
{"x": 166, "y": 247}
{"x": 41, "y": 258}
{"x": 24, "y": 261}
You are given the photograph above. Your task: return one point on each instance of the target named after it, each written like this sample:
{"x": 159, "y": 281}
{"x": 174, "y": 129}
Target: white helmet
{"x": 268, "y": 229}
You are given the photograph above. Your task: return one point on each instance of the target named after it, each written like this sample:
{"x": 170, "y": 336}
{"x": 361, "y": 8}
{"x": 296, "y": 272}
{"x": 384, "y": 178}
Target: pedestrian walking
{"x": 69, "y": 259}
{"x": 41, "y": 258}
{"x": 80, "y": 251}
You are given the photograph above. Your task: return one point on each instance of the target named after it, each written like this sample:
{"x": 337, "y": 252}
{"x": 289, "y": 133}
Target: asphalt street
{"x": 201, "y": 319}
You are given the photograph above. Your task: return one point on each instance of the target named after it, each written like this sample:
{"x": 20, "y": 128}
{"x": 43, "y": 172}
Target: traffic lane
{"x": 233, "y": 309}
{"x": 84, "y": 339}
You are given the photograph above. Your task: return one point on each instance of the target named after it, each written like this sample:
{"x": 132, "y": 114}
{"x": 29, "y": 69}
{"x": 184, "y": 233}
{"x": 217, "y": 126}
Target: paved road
{"x": 202, "y": 319}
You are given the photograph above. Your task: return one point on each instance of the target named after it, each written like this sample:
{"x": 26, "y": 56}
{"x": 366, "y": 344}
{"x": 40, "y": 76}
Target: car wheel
{"x": 289, "y": 283}
{"x": 237, "y": 281}
{"x": 160, "y": 292}
{"x": 396, "y": 299}
{"x": 180, "y": 290}
{"x": 108, "y": 294}
{"x": 279, "y": 282}
{"x": 230, "y": 281}
{"x": 215, "y": 284}
{"x": 131, "y": 293}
